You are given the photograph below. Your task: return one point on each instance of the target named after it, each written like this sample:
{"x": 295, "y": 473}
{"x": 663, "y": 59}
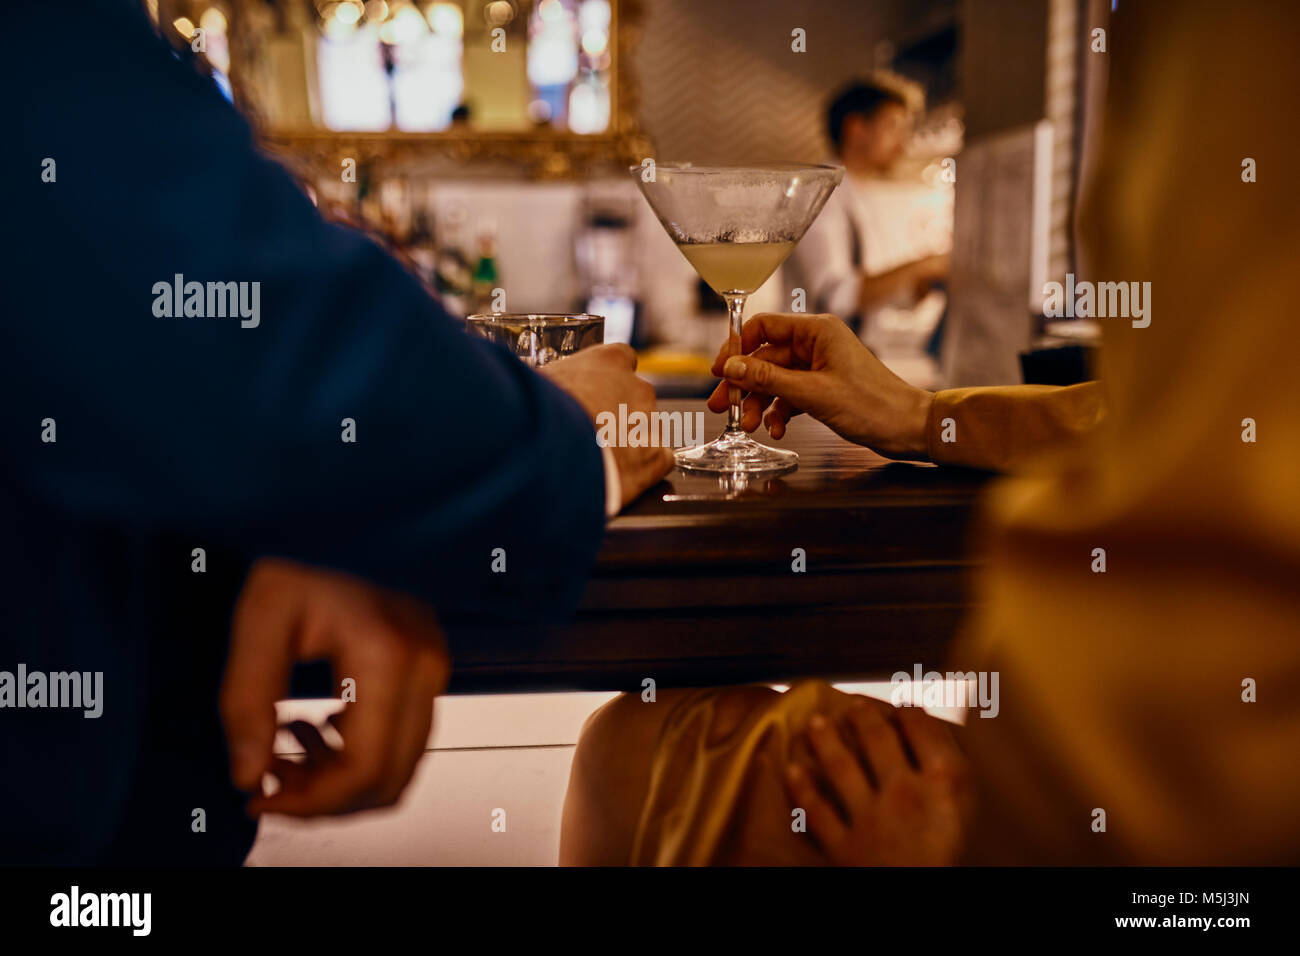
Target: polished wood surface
{"x": 695, "y": 583}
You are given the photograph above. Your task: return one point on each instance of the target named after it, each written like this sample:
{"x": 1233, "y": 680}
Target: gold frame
{"x": 539, "y": 154}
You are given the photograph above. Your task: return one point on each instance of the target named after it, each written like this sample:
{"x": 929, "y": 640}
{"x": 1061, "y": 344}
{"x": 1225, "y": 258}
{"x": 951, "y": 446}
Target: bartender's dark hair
{"x": 857, "y": 99}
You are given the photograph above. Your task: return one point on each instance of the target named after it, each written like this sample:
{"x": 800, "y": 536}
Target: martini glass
{"x": 736, "y": 225}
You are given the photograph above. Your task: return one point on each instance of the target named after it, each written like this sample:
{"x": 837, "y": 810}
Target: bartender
{"x": 880, "y": 245}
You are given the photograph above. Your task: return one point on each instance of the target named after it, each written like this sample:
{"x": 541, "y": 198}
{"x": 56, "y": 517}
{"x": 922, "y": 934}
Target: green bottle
{"x": 486, "y": 277}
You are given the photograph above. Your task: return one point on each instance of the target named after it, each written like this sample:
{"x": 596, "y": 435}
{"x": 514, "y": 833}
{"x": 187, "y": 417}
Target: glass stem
{"x": 735, "y": 312}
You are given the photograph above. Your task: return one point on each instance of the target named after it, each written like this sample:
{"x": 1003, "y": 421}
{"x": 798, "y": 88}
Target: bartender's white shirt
{"x": 894, "y": 223}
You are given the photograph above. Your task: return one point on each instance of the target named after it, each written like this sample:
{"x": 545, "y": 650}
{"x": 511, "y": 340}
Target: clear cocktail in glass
{"x": 736, "y": 225}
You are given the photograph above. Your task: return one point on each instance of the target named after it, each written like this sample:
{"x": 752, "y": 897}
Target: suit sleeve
{"x": 355, "y": 425}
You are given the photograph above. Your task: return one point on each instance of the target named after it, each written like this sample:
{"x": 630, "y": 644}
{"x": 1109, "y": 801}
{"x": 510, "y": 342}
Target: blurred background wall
{"x": 720, "y": 82}
{"x": 1003, "y": 85}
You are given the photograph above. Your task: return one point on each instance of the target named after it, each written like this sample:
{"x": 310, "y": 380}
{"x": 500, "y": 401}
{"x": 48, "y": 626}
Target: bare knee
{"x": 609, "y": 780}
{"x": 619, "y": 725}
{"x": 613, "y": 761}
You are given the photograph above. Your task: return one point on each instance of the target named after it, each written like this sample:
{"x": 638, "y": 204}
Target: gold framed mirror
{"x": 543, "y": 88}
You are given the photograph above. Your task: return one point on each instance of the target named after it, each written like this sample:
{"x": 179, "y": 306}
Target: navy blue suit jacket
{"x": 179, "y": 433}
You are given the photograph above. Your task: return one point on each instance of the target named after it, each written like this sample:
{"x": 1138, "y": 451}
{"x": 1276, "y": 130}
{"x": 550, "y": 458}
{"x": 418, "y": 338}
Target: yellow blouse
{"x": 1164, "y": 691}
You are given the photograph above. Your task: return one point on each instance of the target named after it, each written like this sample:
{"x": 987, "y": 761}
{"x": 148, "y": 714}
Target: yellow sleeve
{"x": 1001, "y": 427}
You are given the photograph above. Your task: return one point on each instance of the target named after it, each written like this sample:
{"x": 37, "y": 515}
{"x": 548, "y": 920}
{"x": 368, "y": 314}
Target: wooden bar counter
{"x": 696, "y": 582}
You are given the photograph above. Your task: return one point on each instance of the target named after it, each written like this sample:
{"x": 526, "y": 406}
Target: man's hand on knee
{"x": 884, "y": 786}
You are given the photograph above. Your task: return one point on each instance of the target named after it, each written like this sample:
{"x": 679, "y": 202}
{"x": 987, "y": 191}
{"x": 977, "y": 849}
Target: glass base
{"x": 734, "y": 452}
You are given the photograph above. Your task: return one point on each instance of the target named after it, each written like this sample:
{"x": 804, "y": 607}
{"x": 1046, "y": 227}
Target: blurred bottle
{"x": 486, "y": 276}
{"x": 420, "y": 248}
{"x": 453, "y": 276}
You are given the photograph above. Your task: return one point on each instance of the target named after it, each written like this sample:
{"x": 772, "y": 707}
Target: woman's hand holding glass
{"x": 794, "y": 363}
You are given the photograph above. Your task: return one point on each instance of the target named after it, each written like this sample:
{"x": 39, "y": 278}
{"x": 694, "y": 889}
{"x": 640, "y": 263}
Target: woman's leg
{"x": 699, "y": 778}
{"x": 612, "y": 765}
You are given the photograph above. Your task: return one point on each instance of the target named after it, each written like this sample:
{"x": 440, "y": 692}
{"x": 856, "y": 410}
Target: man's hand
{"x": 899, "y": 794}
{"x": 815, "y": 364}
{"x": 388, "y": 643}
{"x": 601, "y": 378}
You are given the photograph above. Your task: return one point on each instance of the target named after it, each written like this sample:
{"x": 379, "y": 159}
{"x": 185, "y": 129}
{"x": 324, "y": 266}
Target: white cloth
{"x": 613, "y": 487}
